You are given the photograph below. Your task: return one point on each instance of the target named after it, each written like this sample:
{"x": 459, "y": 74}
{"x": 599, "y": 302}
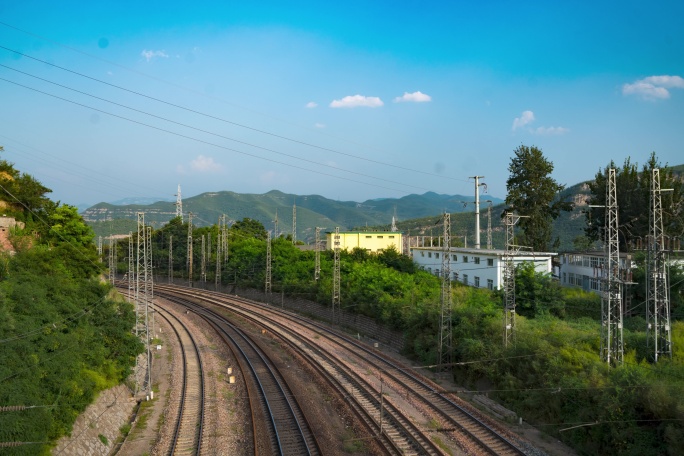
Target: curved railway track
{"x": 396, "y": 432}
{"x": 187, "y": 434}
{"x": 289, "y": 431}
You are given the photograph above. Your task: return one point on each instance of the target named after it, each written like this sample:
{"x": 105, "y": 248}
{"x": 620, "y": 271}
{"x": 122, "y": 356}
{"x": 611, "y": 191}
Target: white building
{"x": 585, "y": 269}
{"x": 480, "y": 268}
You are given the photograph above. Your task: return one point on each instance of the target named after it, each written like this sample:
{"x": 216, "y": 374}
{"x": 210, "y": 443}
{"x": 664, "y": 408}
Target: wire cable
{"x": 210, "y": 132}
{"x": 228, "y": 121}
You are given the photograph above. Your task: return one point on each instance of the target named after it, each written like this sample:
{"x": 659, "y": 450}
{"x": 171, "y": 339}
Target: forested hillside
{"x": 62, "y": 337}
{"x": 312, "y": 211}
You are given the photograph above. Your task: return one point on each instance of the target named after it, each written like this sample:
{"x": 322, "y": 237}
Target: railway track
{"x": 187, "y": 434}
{"x": 289, "y": 431}
{"x": 453, "y": 415}
{"x": 394, "y": 430}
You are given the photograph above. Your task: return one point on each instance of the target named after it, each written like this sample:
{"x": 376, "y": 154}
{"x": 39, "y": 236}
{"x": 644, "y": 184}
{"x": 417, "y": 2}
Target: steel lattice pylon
{"x": 489, "y": 225}
{"x": 190, "y": 253}
{"x": 445, "y": 326}
{"x": 612, "y": 345}
{"x": 509, "y": 279}
{"x": 203, "y": 263}
{"x": 217, "y": 276}
{"x": 659, "y": 337}
{"x": 294, "y": 224}
{"x": 131, "y": 269}
{"x": 142, "y": 288}
{"x": 336, "y": 301}
{"x": 170, "y": 259}
{"x": 317, "y": 265}
{"x": 267, "y": 286}
{"x": 112, "y": 260}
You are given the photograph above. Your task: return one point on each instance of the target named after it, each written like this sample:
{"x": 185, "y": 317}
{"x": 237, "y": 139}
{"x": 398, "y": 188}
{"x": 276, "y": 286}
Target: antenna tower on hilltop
{"x": 179, "y": 204}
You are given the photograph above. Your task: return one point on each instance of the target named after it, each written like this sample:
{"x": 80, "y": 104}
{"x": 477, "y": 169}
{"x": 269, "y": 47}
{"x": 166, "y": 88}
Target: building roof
{"x": 496, "y": 252}
{"x": 365, "y": 232}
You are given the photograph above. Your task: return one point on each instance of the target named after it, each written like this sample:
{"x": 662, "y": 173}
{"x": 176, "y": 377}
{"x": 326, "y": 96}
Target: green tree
{"x": 633, "y": 199}
{"x": 248, "y": 227}
{"x": 533, "y": 193}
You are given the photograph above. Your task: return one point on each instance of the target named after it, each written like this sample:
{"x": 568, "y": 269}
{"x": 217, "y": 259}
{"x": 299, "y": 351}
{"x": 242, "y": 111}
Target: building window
{"x": 490, "y": 261}
{"x": 490, "y": 284}
{"x": 477, "y": 282}
{"x": 565, "y": 278}
{"x": 455, "y": 258}
{"x": 476, "y": 260}
{"x": 436, "y": 255}
{"x": 379, "y": 237}
{"x": 391, "y": 237}
{"x": 455, "y": 275}
{"x": 429, "y": 254}
{"x": 465, "y": 279}
{"x": 465, "y": 259}
{"x": 430, "y": 270}
{"x": 437, "y": 272}
{"x": 368, "y": 237}
{"x": 422, "y": 254}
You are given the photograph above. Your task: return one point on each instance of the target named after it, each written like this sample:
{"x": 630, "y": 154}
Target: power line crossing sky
{"x": 408, "y": 97}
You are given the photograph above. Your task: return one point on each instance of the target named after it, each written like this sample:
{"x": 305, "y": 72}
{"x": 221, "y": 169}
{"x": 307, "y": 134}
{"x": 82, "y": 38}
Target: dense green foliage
{"x": 62, "y": 339}
{"x": 534, "y": 195}
{"x": 633, "y": 189}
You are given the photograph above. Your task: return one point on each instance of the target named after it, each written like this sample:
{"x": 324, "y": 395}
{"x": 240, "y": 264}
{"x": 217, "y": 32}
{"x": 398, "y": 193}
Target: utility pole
{"x": 489, "y": 225}
{"x": 149, "y": 287}
{"x": 445, "y": 326}
{"x": 141, "y": 298}
{"x": 267, "y": 287}
{"x": 612, "y": 345}
{"x": 99, "y": 248}
{"x": 509, "y": 278}
{"x": 112, "y": 260}
{"x": 317, "y": 267}
{"x": 190, "y": 249}
{"x": 203, "y": 267}
{"x": 131, "y": 269}
{"x": 294, "y": 223}
{"x": 275, "y": 225}
{"x": 170, "y": 259}
{"x": 179, "y": 204}
{"x": 659, "y": 335}
{"x": 217, "y": 278}
{"x": 336, "y": 302}
{"x": 477, "y": 208}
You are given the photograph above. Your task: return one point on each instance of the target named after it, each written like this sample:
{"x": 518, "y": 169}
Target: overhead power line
{"x": 261, "y": 131}
{"x": 197, "y": 139}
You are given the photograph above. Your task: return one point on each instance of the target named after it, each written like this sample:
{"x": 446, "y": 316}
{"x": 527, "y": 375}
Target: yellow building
{"x": 372, "y": 241}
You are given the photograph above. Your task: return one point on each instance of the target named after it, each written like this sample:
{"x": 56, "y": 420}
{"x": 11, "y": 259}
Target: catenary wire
{"x": 231, "y": 122}
{"x": 201, "y": 130}
{"x": 195, "y": 139}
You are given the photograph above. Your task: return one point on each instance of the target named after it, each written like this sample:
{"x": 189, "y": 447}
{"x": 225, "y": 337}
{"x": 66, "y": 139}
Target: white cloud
{"x": 205, "y": 164}
{"x": 319, "y": 125}
{"x": 355, "y": 101}
{"x": 149, "y": 55}
{"x": 416, "y": 97}
{"x": 311, "y": 104}
{"x": 549, "y": 130}
{"x": 653, "y": 87}
{"x": 180, "y": 169}
{"x": 525, "y": 118}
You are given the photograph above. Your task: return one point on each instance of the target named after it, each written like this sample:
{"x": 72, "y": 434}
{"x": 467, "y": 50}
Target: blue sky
{"x": 352, "y": 100}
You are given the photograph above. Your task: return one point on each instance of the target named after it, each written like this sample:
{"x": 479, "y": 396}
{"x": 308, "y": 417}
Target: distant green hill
{"x": 312, "y": 211}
